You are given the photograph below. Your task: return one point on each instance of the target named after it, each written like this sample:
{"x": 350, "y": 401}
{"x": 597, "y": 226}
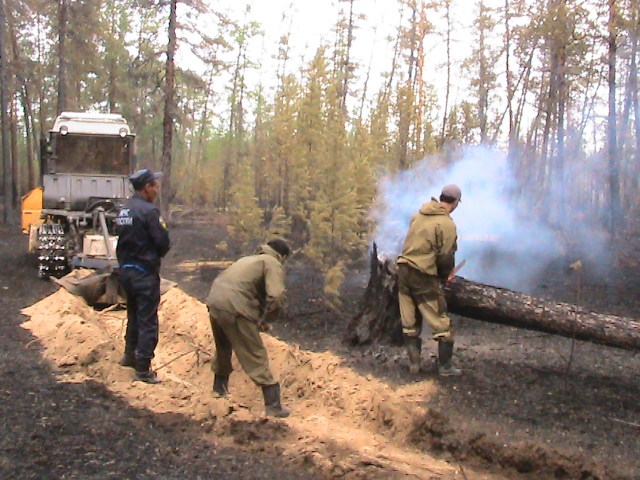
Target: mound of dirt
{"x": 81, "y": 340}
{"x": 340, "y": 419}
{"x": 74, "y": 336}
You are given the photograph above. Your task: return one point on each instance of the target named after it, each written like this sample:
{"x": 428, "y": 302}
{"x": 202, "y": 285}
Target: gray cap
{"x": 452, "y": 191}
{"x": 142, "y": 177}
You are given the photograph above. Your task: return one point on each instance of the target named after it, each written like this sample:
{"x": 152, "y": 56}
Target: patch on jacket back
{"x": 124, "y": 217}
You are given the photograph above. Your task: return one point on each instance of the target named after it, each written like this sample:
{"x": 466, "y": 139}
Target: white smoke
{"x": 502, "y": 245}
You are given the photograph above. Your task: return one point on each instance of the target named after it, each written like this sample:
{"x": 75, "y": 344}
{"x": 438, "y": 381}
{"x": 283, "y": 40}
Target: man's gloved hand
{"x": 263, "y": 326}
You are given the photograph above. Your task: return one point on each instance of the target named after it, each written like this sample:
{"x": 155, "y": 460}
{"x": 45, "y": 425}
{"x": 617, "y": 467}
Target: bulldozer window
{"x": 92, "y": 154}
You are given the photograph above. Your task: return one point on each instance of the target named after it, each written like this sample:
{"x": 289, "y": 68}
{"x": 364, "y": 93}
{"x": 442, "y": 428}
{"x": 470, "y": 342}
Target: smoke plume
{"x": 503, "y": 241}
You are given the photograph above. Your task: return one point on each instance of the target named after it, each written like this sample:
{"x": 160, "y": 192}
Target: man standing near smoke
{"x": 426, "y": 261}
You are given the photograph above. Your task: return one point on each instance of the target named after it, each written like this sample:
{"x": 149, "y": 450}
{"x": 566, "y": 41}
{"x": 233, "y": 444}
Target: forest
{"x": 552, "y": 84}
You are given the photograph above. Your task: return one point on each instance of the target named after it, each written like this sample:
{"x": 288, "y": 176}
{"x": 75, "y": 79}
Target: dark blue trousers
{"x": 143, "y": 297}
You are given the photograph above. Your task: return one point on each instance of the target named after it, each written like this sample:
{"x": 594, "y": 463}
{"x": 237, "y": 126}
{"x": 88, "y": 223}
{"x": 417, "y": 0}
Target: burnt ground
{"x": 530, "y": 405}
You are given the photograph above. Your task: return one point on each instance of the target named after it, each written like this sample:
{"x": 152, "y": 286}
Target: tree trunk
{"x": 344, "y": 91}
{"x": 448, "y": 87}
{"x": 614, "y": 175}
{"x": 232, "y": 157}
{"x": 167, "y": 122}
{"x": 550, "y": 107}
{"x": 112, "y": 60}
{"x": 16, "y": 189}
{"x": 520, "y": 108}
{"x": 62, "y": 55}
{"x": 405, "y": 100}
{"x": 363, "y": 97}
{"x": 560, "y": 152}
{"x": 507, "y": 50}
{"x": 39, "y": 69}
{"x": 396, "y": 53}
{"x": 112, "y": 89}
{"x": 9, "y": 217}
{"x": 499, "y": 305}
{"x": 421, "y": 133}
{"x": 636, "y": 104}
{"x": 483, "y": 84}
{"x": 31, "y": 156}
{"x": 629, "y": 182}
{"x": 29, "y": 123}
{"x": 379, "y": 318}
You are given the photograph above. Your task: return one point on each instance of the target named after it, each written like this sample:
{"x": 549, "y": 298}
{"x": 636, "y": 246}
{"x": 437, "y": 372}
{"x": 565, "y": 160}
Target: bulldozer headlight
{"x": 123, "y": 132}
{"x": 64, "y": 130}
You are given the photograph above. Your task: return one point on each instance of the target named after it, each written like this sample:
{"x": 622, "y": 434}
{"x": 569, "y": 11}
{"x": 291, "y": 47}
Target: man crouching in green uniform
{"x": 427, "y": 259}
{"x": 242, "y": 301}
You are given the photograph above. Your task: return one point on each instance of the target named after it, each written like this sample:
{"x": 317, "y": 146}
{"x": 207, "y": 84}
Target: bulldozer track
{"x": 52, "y": 251}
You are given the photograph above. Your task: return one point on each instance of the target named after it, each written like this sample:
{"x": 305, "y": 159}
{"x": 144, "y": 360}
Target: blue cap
{"x": 142, "y": 177}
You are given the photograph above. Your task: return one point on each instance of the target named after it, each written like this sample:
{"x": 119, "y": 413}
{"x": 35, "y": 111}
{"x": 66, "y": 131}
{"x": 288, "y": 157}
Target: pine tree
{"x": 245, "y": 216}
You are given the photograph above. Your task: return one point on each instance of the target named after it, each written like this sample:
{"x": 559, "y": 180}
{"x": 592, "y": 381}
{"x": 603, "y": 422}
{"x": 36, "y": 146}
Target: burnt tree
{"x": 169, "y": 109}
{"x": 379, "y": 317}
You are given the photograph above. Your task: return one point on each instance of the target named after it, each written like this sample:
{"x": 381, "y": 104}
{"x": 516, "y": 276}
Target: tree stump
{"x": 379, "y": 315}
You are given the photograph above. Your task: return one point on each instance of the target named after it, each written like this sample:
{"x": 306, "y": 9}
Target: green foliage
{"x": 245, "y": 216}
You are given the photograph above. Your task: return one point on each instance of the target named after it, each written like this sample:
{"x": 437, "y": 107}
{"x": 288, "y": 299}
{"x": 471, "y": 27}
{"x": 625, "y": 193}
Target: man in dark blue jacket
{"x": 143, "y": 240}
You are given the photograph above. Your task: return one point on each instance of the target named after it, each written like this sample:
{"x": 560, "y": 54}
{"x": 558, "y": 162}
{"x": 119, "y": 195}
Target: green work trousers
{"x": 421, "y": 298}
{"x": 234, "y": 333}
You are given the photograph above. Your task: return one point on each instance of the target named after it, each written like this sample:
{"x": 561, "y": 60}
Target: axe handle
{"x": 455, "y": 270}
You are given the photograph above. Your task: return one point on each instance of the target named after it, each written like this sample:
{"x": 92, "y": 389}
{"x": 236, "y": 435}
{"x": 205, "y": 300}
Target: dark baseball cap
{"x": 452, "y": 191}
{"x": 142, "y": 177}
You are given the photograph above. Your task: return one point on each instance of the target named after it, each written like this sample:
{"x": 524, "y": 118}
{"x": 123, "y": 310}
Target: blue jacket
{"x": 143, "y": 238}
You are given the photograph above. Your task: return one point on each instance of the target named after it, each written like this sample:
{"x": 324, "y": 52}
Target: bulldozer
{"x": 70, "y": 219}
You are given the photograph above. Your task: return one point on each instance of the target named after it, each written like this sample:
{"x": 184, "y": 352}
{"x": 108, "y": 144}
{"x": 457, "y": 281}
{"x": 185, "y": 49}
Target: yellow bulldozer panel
{"x": 32, "y": 209}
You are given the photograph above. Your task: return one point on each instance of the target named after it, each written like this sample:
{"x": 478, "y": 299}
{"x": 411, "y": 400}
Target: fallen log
{"x": 379, "y": 317}
{"x": 500, "y": 305}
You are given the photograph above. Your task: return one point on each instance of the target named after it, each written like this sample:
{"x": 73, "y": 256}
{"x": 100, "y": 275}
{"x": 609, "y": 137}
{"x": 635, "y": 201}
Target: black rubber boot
{"x": 414, "y": 347}
{"x": 128, "y": 359}
{"x": 272, "y": 401}
{"x": 144, "y": 372}
{"x": 445, "y": 354}
{"x": 221, "y": 385}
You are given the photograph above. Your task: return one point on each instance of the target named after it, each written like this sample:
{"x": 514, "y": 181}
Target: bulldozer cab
{"x": 85, "y": 143}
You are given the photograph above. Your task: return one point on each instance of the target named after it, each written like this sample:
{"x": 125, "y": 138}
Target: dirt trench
{"x": 345, "y": 424}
